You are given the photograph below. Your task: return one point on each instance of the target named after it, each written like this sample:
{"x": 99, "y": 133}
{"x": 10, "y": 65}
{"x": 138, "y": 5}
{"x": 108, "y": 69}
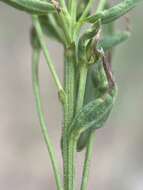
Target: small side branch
{"x": 40, "y": 36}
{"x": 36, "y": 88}
{"x": 88, "y": 157}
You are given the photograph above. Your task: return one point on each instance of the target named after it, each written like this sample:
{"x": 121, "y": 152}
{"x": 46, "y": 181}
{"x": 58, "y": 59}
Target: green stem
{"x": 57, "y": 28}
{"x": 63, "y": 4}
{"x": 36, "y": 88}
{"x": 101, "y": 5}
{"x": 88, "y": 157}
{"x": 69, "y": 82}
{"x": 65, "y": 25}
{"x": 68, "y": 109}
{"x": 87, "y": 9}
{"x": 82, "y": 85}
{"x": 71, "y": 145}
{"x": 46, "y": 52}
{"x": 73, "y": 9}
{"x": 71, "y": 162}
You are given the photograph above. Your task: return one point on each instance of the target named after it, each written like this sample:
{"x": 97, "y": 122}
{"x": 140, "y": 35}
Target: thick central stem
{"x": 68, "y": 110}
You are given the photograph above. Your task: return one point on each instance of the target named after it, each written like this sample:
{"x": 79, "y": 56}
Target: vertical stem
{"x": 46, "y": 52}
{"x": 72, "y": 141}
{"x": 36, "y": 88}
{"x": 68, "y": 110}
{"x": 87, "y": 9}
{"x": 64, "y": 22}
{"x": 73, "y": 9}
{"x": 101, "y": 5}
{"x": 63, "y": 4}
{"x": 88, "y": 156}
{"x": 71, "y": 161}
{"x": 80, "y": 101}
{"x": 82, "y": 84}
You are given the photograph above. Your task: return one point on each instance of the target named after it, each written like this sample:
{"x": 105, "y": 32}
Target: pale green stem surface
{"x": 89, "y": 148}
{"x": 56, "y": 27}
{"x": 72, "y": 5}
{"x": 36, "y": 88}
{"x": 71, "y": 162}
{"x": 87, "y": 9}
{"x": 41, "y": 38}
{"x": 101, "y": 5}
{"x": 72, "y": 142}
{"x": 88, "y": 157}
{"x": 64, "y": 22}
{"x": 63, "y": 3}
{"x": 82, "y": 85}
{"x": 68, "y": 111}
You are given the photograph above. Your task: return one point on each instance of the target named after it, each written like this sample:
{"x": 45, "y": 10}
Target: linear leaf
{"x": 111, "y": 41}
{"x": 31, "y": 6}
{"x": 114, "y": 12}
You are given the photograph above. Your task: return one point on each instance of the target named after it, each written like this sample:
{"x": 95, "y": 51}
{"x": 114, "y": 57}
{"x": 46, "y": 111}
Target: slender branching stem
{"x": 41, "y": 38}
{"x": 72, "y": 5}
{"x": 57, "y": 28}
{"x": 87, "y": 161}
{"x": 64, "y": 23}
{"x": 87, "y": 9}
{"x": 101, "y": 5}
{"x": 63, "y": 4}
{"x": 36, "y": 88}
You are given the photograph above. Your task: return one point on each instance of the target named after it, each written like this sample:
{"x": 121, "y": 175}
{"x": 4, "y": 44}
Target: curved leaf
{"x": 32, "y": 6}
{"x": 84, "y": 137}
{"x": 114, "y": 12}
{"x": 111, "y": 41}
{"x": 93, "y": 115}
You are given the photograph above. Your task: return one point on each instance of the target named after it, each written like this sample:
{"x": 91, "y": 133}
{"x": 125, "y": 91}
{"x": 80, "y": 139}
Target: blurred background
{"x": 24, "y": 163}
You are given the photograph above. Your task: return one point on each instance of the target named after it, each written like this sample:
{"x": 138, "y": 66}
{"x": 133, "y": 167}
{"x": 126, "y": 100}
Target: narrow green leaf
{"x": 50, "y": 27}
{"x": 113, "y": 13}
{"x": 111, "y": 41}
{"x": 32, "y": 6}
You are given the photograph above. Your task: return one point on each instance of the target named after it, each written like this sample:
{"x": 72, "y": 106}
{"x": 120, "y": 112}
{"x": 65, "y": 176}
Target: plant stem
{"x": 68, "y": 108}
{"x": 57, "y": 28}
{"x": 46, "y": 52}
{"x": 101, "y": 5}
{"x": 63, "y": 4}
{"x": 73, "y": 9}
{"x": 80, "y": 101}
{"x": 87, "y": 9}
{"x": 64, "y": 22}
{"x": 88, "y": 157}
{"x": 36, "y": 88}
{"x": 71, "y": 161}
{"x": 71, "y": 143}
{"x": 82, "y": 83}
